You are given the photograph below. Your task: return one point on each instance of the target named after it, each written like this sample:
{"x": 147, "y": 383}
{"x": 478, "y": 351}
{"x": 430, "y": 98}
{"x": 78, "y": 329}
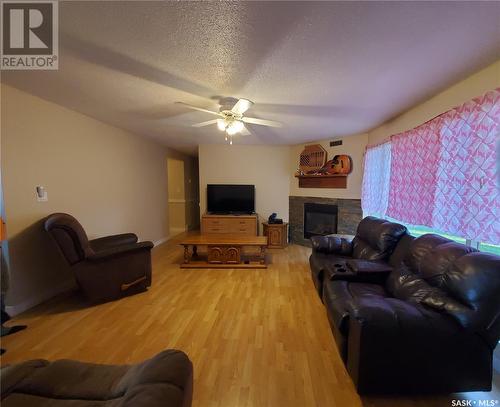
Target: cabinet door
{"x": 274, "y": 237}
{"x": 215, "y": 254}
{"x": 232, "y": 255}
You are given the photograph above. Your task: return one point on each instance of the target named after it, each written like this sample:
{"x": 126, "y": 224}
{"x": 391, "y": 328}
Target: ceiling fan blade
{"x": 245, "y": 132}
{"x": 205, "y": 123}
{"x": 198, "y": 108}
{"x": 261, "y": 122}
{"x": 241, "y": 106}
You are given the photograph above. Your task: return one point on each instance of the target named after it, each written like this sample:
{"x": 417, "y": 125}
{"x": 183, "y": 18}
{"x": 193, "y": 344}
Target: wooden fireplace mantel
{"x": 322, "y": 181}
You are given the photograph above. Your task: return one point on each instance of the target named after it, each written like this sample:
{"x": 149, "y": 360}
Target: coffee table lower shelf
{"x": 224, "y": 251}
{"x": 203, "y": 264}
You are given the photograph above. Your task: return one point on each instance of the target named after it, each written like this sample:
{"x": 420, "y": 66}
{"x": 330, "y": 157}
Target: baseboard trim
{"x": 160, "y": 241}
{"x": 17, "y": 309}
{"x": 177, "y": 231}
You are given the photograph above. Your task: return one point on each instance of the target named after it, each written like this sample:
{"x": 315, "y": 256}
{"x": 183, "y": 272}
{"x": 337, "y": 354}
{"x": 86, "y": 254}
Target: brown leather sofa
{"x": 107, "y": 268}
{"x": 426, "y": 319}
{"x": 166, "y": 380}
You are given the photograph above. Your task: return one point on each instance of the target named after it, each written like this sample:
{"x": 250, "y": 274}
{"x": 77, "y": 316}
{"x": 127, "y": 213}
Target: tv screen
{"x": 230, "y": 198}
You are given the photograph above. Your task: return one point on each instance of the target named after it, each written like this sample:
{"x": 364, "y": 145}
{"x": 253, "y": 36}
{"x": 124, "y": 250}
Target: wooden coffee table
{"x": 224, "y": 251}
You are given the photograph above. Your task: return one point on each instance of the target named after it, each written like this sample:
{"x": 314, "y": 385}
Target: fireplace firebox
{"x": 319, "y": 219}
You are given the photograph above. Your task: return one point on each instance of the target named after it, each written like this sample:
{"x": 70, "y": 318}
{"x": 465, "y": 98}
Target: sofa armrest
{"x": 359, "y": 271}
{"x": 107, "y": 242}
{"x": 332, "y": 244}
{"x": 360, "y": 266}
{"x": 120, "y": 250}
{"x": 12, "y": 376}
{"x": 368, "y": 278}
{"x": 103, "y": 243}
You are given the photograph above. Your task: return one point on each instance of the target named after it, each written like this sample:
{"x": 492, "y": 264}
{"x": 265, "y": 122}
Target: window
{"x": 441, "y": 177}
{"x": 490, "y": 248}
{"x": 375, "y": 188}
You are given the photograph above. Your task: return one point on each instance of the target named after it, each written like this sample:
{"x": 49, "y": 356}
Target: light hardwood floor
{"x": 256, "y": 337}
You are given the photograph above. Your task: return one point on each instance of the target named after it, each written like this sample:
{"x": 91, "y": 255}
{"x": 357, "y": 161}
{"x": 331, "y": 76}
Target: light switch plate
{"x": 41, "y": 194}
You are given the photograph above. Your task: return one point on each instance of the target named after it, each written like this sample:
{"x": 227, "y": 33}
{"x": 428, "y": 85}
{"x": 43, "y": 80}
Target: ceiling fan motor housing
{"x": 227, "y": 103}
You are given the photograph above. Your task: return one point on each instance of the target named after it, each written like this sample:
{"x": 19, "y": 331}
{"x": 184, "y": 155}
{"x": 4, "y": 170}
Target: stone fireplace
{"x": 319, "y": 216}
{"x": 319, "y": 219}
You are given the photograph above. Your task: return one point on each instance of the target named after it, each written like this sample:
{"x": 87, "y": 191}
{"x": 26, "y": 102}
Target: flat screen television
{"x": 230, "y": 198}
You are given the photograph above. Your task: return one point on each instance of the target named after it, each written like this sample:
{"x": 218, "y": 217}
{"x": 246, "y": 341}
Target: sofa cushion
{"x": 376, "y": 238}
{"x": 421, "y": 247}
{"x": 332, "y": 244}
{"x": 401, "y": 250}
{"x": 430, "y": 256}
{"x": 164, "y": 380}
{"x": 469, "y": 281}
{"x": 463, "y": 286}
{"x": 474, "y": 280}
{"x": 12, "y": 375}
{"x": 436, "y": 263}
{"x": 170, "y": 366}
{"x": 405, "y": 285}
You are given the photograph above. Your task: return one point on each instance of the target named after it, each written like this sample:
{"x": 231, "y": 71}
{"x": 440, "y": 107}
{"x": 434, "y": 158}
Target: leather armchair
{"x": 107, "y": 268}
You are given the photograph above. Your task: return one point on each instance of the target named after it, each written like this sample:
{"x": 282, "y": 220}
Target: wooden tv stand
{"x": 245, "y": 225}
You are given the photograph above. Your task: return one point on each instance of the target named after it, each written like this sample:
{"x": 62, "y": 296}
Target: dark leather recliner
{"x": 375, "y": 239}
{"x": 431, "y": 327}
{"x": 107, "y": 268}
{"x": 166, "y": 380}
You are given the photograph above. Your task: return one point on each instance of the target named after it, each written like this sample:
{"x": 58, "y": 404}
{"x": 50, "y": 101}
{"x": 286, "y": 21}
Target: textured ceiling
{"x": 324, "y": 69}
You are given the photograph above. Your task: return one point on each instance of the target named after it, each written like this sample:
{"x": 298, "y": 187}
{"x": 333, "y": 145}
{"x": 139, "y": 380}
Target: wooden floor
{"x": 256, "y": 337}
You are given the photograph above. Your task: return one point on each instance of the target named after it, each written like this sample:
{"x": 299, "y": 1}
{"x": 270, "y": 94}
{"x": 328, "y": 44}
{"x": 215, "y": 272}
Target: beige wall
{"x": 353, "y": 146}
{"x": 109, "y": 179}
{"x": 266, "y": 167}
{"x": 271, "y": 169}
{"x": 475, "y": 85}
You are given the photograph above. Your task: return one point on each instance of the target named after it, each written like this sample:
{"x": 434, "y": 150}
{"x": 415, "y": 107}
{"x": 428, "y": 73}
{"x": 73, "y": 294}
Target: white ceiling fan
{"x": 231, "y": 119}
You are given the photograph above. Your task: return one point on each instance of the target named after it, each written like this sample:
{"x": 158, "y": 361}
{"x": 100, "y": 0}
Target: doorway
{"x": 183, "y": 195}
{"x": 176, "y": 197}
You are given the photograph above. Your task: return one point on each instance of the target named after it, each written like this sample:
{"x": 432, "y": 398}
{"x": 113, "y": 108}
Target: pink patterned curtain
{"x": 375, "y": 187}
{"x": 444, "y": 172}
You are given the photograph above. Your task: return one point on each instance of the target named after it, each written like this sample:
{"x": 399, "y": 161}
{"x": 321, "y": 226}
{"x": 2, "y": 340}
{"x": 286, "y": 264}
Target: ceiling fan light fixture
{"x": 236, "y": 126}
{"x": 221, "y": 124}
{"x": 231, "y": 130}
